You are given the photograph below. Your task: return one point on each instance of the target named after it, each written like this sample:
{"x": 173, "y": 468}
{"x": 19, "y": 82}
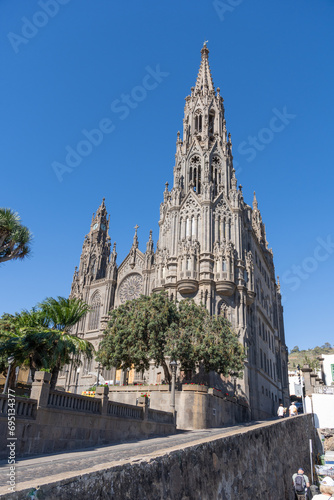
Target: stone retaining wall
{"x": 197, "y": 406}
{"x": 53, "y": 421}
{"x": 254, "y": 464}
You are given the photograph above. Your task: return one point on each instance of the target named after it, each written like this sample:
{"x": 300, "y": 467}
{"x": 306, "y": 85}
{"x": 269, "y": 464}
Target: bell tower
{"x": 200, "y": 252}
{"x": 203, "y": 161}
{"x": 95, "y": 252}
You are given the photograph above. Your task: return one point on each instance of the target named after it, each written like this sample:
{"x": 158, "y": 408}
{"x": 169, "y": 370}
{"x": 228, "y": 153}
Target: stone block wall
{"x": 54, "y": 421}
{"x": 254, "y": 464}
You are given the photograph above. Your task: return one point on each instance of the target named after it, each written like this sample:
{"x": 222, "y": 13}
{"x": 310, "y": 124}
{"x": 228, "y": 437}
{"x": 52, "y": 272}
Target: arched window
{"x": 223, "y": 310}
{"x": 224, "y": 266}
{"x": 87, "y": 366}
{"x": 214, "y": 177}
{"x": 198, "y": 123}
{"x": 94, "y": 314}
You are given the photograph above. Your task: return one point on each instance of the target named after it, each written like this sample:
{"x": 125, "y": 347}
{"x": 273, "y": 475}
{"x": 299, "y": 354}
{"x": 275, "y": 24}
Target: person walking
{"x": 326, "y": 489}
{"x": 293, "y": 412}
{"x": 280, "y": 411}
{"x": 300, "y": 484}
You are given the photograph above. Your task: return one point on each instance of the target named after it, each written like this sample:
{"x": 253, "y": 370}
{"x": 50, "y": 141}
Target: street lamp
{"x": 10, "y": 362}
{"x": 173, "y": 365}
{"x": 77, "y": 380}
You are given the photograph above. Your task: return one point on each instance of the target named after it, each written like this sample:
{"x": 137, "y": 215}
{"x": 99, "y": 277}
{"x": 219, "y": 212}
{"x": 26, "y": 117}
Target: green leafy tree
{"x": 154, "y": 328}
{"x": 15, "y": 238}
{"x": 137, "y": 332}
{"x": 221, "y": 350}
{"x": 295, "y": 349}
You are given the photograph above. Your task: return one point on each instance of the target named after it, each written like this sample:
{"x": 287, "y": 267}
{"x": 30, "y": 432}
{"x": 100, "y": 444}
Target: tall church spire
{"x": 203, "y": 161}
{"x": 204, "y": 83}
{"x": 95, "y": 250}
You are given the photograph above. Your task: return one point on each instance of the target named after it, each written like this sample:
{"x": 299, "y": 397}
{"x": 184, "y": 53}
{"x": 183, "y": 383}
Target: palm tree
{"x": 14, "y": 238}
{"x": 62, "y": 314}
{"x": 22, "y": 335}
{"x": 42, "y": 337}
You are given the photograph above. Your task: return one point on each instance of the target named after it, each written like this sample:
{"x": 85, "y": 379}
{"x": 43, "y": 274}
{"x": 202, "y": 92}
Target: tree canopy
{"x": 155, "y": 328}
{"x": 41, "y": 338}
{"x": 15, "y": 238}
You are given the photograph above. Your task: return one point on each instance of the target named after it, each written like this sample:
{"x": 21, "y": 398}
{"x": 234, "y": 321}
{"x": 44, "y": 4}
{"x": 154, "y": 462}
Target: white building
{"x": 295, "y": 383}
{"x": 328, "y": 368}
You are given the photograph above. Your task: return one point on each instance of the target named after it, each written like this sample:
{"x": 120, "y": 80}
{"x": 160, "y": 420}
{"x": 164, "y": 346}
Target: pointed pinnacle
{"x": 255, "y": 204}
{"x": 204, "y": 79}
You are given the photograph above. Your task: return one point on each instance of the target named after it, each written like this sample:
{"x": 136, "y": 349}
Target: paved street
{"x": 31, "y": 472}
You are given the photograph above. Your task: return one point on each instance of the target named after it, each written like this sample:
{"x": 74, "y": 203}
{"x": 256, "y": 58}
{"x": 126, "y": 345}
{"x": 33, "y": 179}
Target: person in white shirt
{"x": 280, "y": 411}
{"x": 293, "y": 412}
{"x": 326, "y": 489}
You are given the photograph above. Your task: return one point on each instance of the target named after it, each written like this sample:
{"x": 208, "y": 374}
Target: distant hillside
{"x": 298, "y": 357}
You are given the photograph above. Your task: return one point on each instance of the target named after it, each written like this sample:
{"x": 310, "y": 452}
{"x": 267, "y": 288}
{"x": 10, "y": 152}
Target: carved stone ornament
{"x": 131, "y": 288}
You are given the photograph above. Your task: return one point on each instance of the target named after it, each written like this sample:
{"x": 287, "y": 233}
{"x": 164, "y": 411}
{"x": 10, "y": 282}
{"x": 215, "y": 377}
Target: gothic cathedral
{"x": 212, "y": 248}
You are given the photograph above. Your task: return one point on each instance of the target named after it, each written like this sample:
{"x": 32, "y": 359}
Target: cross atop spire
{"x": 204, "y": 82}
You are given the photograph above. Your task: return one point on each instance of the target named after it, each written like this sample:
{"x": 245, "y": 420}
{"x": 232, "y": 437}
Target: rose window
{"x": 131, "y": 287}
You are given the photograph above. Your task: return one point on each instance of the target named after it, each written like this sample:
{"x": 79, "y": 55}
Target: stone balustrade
{"x": 125, "y": 411}
{"x": 24, "y": 407}
{"x": 69, "y": 401}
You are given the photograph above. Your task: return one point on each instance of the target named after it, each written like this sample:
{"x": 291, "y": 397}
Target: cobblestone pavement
{"x": 34, "y": 471}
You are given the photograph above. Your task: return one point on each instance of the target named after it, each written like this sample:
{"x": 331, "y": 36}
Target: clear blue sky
{"x": 64, "y": 76}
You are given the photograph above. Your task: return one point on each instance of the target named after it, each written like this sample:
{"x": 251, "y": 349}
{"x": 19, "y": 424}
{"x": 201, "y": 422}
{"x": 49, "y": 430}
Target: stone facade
{"x": 212, "y": 247}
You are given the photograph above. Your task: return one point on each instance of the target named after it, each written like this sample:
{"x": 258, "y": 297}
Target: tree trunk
{"x": 168, "y": 377}
{"x": 12, "y": 376}
{"x": 32, "y": 370}
{"x": 54, "y": 377}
